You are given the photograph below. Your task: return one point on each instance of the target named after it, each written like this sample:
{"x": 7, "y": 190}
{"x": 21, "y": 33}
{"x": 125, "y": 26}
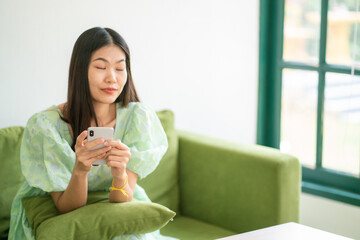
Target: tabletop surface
{"x": 287, "y": 231}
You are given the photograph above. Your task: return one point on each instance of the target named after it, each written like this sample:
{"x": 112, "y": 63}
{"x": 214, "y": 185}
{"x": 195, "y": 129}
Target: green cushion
{"x": 194, "y": 229}
{"x": 10, "y": 172}
{"x": 99, "y": 219}
{"x": 162, "y": 185}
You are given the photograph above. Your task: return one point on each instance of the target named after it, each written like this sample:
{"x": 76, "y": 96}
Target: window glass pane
{"x": 341, "y": 144}
{"x": 342, "y": 18}
{"x": 302, "y": 31}
{"x": 298, "y": 115}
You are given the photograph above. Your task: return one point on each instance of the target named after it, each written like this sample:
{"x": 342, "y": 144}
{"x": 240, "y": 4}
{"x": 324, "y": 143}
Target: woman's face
{"x": 107, "y": 74}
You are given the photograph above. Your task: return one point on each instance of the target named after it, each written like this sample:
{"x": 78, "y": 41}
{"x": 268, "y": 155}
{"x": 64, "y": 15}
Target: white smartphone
{"x": 97, "y": 132}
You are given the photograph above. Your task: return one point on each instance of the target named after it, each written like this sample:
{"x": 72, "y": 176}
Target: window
{"x": 309, "y": 90}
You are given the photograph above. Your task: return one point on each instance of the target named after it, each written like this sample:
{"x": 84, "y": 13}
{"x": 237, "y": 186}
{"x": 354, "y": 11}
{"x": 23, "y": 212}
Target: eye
{"x": 120, "y": 67}
{"x": 100, "y": 68}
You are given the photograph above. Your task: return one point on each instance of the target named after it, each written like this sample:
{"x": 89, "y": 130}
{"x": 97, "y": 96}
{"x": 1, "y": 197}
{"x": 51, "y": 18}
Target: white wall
{"x": 329, "y": 215}
{"x": 196, "y": 57}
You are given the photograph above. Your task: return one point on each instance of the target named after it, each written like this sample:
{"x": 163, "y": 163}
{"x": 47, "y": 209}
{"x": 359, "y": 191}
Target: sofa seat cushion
{"x": 189, "y": 228}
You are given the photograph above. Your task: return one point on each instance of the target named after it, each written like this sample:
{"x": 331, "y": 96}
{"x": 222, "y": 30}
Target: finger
{"x": 94, "y": 159}
{"x": 81, "y": 138}
{"x": 120, "y": 153}
{"x": 116, "y": 143}
{"x": 94, "y": 143}
{"x": 98, "y": 152}
{"x": 117, "y": 159}
{"x": 116, "y": 164}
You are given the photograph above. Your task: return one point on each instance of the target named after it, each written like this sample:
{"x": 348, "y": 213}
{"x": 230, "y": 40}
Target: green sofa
{"x": 217, "y": 188}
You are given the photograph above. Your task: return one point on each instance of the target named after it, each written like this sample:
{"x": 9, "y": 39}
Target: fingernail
{"x": 106, "y": 143}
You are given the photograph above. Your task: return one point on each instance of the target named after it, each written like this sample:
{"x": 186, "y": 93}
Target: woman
{"x": 55, "y": 155}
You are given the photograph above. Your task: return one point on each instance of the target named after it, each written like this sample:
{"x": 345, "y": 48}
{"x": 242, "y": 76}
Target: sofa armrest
{"x": 235, "y": 186}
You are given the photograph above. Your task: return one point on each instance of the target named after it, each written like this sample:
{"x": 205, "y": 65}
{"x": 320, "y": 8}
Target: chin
{"x": 105, "y": 101}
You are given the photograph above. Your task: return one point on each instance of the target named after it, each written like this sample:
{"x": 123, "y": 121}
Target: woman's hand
{"x": 84, "y": 156}
{"x": 117, "y": 158}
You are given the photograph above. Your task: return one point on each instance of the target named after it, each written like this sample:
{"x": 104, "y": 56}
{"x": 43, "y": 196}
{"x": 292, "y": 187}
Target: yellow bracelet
{"x": 120, "y": 189}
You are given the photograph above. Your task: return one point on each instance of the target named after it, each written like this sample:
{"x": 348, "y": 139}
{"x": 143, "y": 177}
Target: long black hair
{"x": 79, "y": 110}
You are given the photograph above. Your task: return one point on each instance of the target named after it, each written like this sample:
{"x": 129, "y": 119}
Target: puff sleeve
{"x": 146, "y": 138}
{"x": 46, "y": 157}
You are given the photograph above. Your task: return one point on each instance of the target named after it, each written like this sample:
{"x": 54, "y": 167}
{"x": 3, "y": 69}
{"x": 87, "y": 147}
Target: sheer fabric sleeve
{"x": 46, "y": 157}
{"x": 147, "y": 140}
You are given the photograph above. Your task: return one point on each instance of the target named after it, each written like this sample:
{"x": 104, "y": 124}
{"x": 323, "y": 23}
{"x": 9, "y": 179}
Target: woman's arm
{"x": 117, "y": 158}
{"x": 75, "y": 195}
{"x": 118, "y": 196}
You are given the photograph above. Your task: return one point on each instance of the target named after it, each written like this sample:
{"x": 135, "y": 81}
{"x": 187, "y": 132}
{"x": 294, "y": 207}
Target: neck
{"x": 106, "y": 114}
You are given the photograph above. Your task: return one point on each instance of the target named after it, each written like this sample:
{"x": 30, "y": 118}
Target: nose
{"x": 111, "y": 77}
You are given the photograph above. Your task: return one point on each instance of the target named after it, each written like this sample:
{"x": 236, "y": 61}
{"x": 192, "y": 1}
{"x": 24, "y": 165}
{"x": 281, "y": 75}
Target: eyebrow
{"x": 103, "y": 59}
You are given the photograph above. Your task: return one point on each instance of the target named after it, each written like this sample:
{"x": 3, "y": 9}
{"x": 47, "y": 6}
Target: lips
{"x": 109, "y": 90}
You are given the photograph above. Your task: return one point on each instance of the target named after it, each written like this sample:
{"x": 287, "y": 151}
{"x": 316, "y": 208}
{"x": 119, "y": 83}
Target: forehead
{"x": 110, "y": 52}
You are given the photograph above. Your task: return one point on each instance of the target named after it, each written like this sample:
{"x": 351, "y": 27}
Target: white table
{"x": 287, "y": 231}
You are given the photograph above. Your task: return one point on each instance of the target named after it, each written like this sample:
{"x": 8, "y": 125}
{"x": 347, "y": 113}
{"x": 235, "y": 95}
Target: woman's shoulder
{"x": 45, "y": 119}
{"x": 136, "y": 113}
{"x": 138, "y": 108}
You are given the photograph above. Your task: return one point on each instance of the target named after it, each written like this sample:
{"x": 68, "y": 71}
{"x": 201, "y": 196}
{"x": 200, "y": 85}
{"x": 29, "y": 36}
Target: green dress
{"x": 47, "y": 159}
